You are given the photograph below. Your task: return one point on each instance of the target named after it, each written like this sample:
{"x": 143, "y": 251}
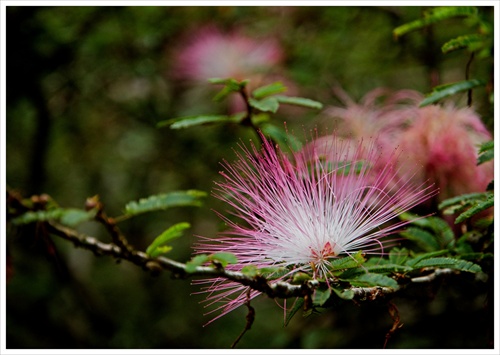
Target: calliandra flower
{"x": 300, "y": 213}
{"x": 445, "y": 140}
{"x": 210, "y": 53}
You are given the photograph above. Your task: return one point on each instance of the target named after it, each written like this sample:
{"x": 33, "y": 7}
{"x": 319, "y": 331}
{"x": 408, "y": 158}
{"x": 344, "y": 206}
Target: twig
{"x": 393, "y": 311}
{"x": 467, "y": 72}
{"x": 249, "y": 318}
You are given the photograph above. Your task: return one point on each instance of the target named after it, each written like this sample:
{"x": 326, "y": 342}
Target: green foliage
{"x": 190, "y": 121}
{"x": 299, "y": 101}
{"x": 267, "y": 104}
{"x": 472, "y": 42}
{"x": 442, "y": 91}
{"x": 486, "y": 152}
{"x": 267, "y": 90}
{"x": 230, "y": 86}
{"x": 480, "y": 42}
{"x": 467, "y": 205}
{"x": 450, "y": 263}
{"x": 158, "y": 246}
{"x": 372, "y": 279}
{"x": 433, "y": 16}
{"x": 164, "y": 201}
{"x": 348, "y": 262}
{"x": 68, "y": 216}
{"x": 430, "y": 233}
{"x": 217, "y": 259}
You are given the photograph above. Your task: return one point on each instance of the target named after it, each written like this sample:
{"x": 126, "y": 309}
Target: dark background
{"x": 85, "y": 89}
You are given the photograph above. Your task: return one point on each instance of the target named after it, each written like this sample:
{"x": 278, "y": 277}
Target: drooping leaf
{"x": 450, "y": 263}
{"x": 164, "y": 201}
{"x": 434, "y": 234}
{"x": 480, "y": 207}
{"x": 271, "y": 89}
{"x": 442, "y": 91}
{"x": 297, "y": 305}
{"x": 267, "y": 104}
{"x": 435, "y": 15}
{"x": 320, "y": 296}
{"x": 299, "y": 101}
{"x": 472, "y": 42}
{"x": 486, "y": 152}
{"x": 158, "y": 247}
{"x": 387, "y": 268}
{"x": 367, "y": 280}
{"x": 459, "y": 203}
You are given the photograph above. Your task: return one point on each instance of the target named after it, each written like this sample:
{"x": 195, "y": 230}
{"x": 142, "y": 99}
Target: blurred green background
{"x": 85, "y": 89}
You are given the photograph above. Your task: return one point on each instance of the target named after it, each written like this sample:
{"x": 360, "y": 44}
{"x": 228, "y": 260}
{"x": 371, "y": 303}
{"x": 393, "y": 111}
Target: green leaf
{"x": 486, "y": 152}
{"x": 196, "y": 261}
{"x": 230, "y": 86}
{"x": 456, "y": 204}
{"x": 425, "y": 240}
{"x": 164, "y": 201}
{"x": 267, "y": 104}
{"x": 297, "y": 305}
{"x": 72, "y": 217}
{"x": 299, "y": 101}
{"x": 300, "y": 277}
{"x": 367, "y": 280}
{"x": 272, "y": 273}
{"x": 67, "y": 216}
{"x": 190, "y": 121}
{"x": 348, "y": 262}
{"x": 271, "y": 89}
{"x": 387, "y": 268}
{"x": 435, "y": 15}
{"x": 280, "y": 136}
{"x": 415, "y": 260}
{"x": 442, "y": 91}
{"x": 346, "y": 294}
{"x": 320, "y": 297}
{"x": 472, "y": 42}
{"x": 224, "y": 258}
{"x": 450, "y": 263}
{"x": 250, "y": 270}
{"x": 157, "y": 246}
{"x": 482, "y": 206}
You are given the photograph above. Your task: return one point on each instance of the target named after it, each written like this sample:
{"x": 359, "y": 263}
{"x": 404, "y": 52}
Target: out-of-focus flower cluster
{"x": 211, "y": 53}
{"x": 441, "y": 141}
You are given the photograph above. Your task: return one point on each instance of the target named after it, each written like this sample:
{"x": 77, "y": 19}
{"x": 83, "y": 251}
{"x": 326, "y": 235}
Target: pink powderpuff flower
{"x": 210, "y": 53}
{"x": 300, "y": 213}
{"x": 445, "y": 141}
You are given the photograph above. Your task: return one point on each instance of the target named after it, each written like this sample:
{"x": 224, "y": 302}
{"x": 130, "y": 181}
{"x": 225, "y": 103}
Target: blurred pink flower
{"x": 442, "y": 141}
{"x": 213, "y": 54}
{"x": 445, "y": 142}
{"x": 300, "y": 213}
